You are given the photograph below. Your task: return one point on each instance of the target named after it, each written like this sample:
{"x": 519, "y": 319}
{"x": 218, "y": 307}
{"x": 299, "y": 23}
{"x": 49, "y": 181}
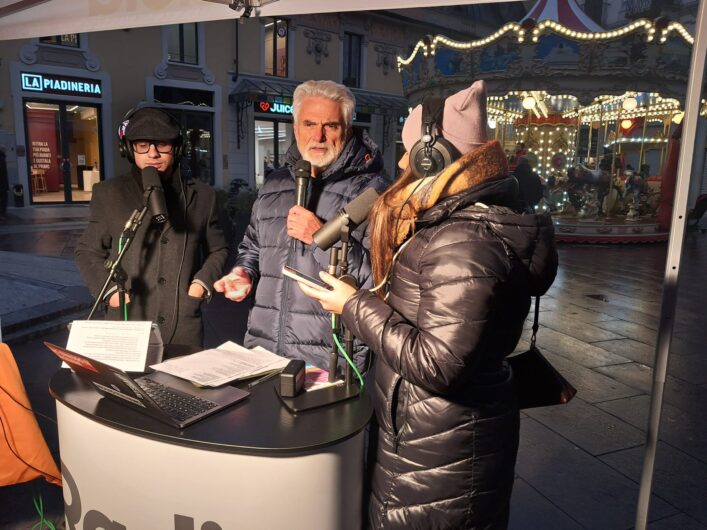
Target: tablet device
{"x": 294, "y": 274}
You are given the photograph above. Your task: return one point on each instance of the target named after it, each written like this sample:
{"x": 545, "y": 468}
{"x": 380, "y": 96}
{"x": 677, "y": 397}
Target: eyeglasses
{"x": 143, "y": 147}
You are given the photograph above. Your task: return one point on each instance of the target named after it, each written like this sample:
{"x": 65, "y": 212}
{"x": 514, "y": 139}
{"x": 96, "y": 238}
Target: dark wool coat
{"x": 283, "y": 319}
{"x": 448, "y": 424}
{"x": 163, "y": 260}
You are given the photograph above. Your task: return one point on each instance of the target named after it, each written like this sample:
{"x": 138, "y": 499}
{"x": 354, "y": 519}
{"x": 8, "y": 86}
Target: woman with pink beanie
{"x": 456, "y": 261}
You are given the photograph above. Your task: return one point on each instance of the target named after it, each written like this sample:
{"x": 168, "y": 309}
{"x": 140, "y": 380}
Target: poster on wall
{"x": 43, "y": 146}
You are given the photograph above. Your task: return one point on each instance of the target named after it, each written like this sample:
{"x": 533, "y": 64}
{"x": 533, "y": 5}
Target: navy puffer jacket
{"x": 284, "y": 320}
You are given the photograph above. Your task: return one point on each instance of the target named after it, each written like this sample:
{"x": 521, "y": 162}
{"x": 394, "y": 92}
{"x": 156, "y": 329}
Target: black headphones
{"x": 431, "y": 153}
{"x": 125, "y": 146}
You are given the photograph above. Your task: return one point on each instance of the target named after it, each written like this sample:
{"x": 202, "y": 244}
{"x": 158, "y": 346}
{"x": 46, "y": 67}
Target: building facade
{"x": 230, "y": 85}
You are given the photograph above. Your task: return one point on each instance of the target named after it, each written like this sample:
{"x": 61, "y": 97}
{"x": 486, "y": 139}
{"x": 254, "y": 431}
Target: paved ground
{"x": 579, "y": 465}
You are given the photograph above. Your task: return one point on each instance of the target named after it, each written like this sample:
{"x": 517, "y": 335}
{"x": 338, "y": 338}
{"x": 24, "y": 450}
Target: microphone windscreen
{"x": 359, "y": 208}
{"x": 356, "y": 211}
{"x": 152, "y": 184}
{"x": 303, "y": 168}
{"x": 150, "y": 178}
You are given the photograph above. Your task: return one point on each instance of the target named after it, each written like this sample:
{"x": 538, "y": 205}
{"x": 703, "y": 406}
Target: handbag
{"x": 537, "y": 382}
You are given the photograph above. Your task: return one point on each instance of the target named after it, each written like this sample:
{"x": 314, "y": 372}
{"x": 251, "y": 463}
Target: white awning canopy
{"x": 22, "y": 19}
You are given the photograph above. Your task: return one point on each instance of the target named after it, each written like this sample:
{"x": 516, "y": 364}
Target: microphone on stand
{"x": 349, "y": 217}
{"x": 152, "y": 185}
{"x": 353, "y": 214}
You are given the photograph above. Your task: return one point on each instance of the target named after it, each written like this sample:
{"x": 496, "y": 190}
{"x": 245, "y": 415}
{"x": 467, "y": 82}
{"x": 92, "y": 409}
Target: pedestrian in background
{"x": 530, "y": 187}
{"x": 459, "y": 261}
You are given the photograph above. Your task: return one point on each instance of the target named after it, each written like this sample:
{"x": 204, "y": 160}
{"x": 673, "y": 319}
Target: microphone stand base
{"x": 319, "y": 398}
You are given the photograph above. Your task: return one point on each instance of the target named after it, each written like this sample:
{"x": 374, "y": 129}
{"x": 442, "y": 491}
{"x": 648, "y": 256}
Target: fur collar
{"x": 486, "y": 163}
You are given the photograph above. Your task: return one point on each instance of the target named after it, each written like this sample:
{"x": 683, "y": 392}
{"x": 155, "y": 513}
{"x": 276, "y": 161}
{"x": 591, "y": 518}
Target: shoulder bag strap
{"x": 536, "y": 326}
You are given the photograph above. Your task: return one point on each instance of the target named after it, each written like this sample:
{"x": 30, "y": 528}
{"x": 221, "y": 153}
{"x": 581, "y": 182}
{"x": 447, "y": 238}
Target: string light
{"x": 646, "y": 26}
{"x": 636, "y": 140}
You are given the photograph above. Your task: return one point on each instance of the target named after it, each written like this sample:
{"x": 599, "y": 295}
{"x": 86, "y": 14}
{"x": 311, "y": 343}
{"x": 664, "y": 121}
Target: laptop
{"x": 164, "y": 397}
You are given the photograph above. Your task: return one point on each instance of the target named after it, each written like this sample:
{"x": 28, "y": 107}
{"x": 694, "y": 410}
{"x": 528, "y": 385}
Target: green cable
{"x": 348, "y": 360}
{"x": 125, "y": 307}
{"x": 39, "y": 506}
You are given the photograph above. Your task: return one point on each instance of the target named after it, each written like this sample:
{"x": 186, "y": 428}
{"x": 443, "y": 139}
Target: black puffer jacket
{"x": 284, "y": 320}
{"x": 448, "y": 423}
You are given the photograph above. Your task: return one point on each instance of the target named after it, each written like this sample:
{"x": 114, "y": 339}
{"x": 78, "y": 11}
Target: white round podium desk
{"x": 252, "y": 466}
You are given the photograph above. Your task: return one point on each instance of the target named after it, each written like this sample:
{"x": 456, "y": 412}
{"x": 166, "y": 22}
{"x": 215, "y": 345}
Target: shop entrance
{"x": 272, "y": 140}
{"x": 63, "y": 151}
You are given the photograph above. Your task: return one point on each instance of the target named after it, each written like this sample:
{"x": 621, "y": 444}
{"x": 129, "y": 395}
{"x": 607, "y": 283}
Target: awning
{"x": 250, "y": 88}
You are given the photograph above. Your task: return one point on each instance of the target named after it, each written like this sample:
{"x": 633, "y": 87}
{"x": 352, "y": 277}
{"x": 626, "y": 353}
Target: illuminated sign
{"x": 276, "y": 107}
{"x": 273, "y": 106}
{"x": 60, "y": 84}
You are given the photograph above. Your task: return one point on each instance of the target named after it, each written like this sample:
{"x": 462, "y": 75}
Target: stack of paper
{"x": 218, "y": 366}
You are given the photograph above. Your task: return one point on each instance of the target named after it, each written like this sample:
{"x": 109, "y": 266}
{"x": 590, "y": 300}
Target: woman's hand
{"x": 332, "y": 300}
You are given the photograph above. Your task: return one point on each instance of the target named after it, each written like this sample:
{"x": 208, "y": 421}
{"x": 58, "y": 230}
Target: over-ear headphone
{"x": 125, "y": 146}
{"x": 431, "y": 153}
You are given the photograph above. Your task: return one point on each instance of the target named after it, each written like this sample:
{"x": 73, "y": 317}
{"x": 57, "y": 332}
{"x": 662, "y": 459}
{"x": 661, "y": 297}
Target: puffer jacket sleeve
{"x": 249, "y": 248}
{"x": 460, "y": 275}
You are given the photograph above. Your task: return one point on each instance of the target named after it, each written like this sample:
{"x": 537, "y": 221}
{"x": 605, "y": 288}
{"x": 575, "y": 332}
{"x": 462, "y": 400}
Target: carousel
{"x": 595, "y": 113}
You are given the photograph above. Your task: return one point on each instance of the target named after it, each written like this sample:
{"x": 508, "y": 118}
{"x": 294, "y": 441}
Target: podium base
{"x": 319, "y": 398}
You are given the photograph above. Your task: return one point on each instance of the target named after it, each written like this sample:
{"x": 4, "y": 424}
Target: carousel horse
{"x": 581, "y": 174}
{"x": 596, "y": 183}
{"x": 634, "y": 186}
{"x": 639, "y": 198}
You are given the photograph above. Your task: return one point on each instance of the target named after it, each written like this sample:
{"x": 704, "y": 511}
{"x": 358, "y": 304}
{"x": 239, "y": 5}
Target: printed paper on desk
{"x": 218, "y": 366}
{"x": 118, "y": 343}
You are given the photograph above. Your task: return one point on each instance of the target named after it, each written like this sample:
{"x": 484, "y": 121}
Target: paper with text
{"x": 118, "y": 343}
{"x": 228, "y": 362}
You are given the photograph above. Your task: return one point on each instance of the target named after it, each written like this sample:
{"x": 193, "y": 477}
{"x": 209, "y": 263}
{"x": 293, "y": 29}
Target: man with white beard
{"x": 344, "y": 163}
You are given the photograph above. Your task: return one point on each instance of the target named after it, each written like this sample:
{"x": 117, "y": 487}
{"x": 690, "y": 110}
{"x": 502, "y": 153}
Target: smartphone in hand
{"x": 294, "y": 274}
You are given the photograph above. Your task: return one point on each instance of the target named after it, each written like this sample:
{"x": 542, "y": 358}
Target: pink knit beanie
{"x": 463, "y": 120}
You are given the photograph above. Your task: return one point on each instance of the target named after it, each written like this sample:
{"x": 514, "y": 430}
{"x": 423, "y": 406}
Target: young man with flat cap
{"x": 170, "y": 266}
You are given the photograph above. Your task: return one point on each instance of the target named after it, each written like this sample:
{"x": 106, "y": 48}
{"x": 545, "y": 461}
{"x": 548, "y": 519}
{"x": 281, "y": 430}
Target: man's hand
{"x": 196, "y": 290}
{"x": 114, "y": 300}
{"x": 301, "y": 224}
{"x": 235, "y": 286}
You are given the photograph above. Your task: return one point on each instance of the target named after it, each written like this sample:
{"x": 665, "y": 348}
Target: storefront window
{"x": 63, "y": 154}
{"x": 276, "y": 48}
{"x": 272, "y": 140}
{"x": 352, "y": 60}
{"x": 198, "y": 158}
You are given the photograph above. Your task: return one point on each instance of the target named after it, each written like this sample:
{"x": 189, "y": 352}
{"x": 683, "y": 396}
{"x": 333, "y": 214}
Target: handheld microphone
{"x": 353, "y": 214}
{"x": 152, "y": 185}
{"x": 303, "y": 172}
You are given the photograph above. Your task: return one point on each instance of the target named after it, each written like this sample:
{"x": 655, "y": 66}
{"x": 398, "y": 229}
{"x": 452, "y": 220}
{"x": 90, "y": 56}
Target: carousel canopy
{"x": 565, "y": 12}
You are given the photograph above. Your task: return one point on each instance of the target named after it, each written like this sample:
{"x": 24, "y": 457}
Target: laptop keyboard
{"x": 175, "y": 404}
